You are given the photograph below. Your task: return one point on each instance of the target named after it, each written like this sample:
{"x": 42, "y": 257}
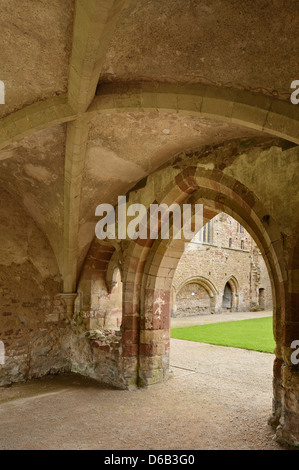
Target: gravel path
{"x": 216, "y": 398}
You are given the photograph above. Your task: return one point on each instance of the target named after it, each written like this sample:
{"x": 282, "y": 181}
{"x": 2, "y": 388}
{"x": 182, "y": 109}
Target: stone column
{"x": 154, "y": 338}
{"x": 277, "y": 393}
{"x": 288, "y": 429}
{"x": 286, "y": 380}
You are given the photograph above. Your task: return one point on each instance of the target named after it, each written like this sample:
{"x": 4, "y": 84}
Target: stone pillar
{"x": 130, "y": 330}
{"x": 288, "y": 429}
{"x": 286, "y": 375}
{"x": 277, "y": 394}
{"x": 286, "y": 391}
{"x": 153, "y": 357}
{"x": 154, "y": 338}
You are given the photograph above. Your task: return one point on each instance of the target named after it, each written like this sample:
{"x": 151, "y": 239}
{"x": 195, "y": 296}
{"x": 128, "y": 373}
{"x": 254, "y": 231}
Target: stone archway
{"x": 142, "y": 357}
{"x": 231, "y": 294}
{"x": 207, "y": 287}
{"x": 58, "y": 162}
{"x": 150, "y": 266}
{"x": 147, "y": 262}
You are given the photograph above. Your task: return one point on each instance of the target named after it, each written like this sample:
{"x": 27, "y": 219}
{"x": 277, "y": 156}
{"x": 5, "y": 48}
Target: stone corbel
{"x": 69, "y": 300}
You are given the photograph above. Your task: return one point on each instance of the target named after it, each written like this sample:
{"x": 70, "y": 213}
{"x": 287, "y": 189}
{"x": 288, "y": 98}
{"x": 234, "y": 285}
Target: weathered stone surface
{"x": 179, "y": 115}
{"x": 203, "y": 42}
{"x": 35, "y": 52}
{"x": 205, "y": 268}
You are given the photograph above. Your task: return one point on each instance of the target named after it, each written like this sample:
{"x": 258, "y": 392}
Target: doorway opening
{"x": 227, "y": 297}
{"x": 262, "y": 298}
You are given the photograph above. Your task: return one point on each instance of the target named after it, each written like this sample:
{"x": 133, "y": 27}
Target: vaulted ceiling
{"x": 100, "y": 93}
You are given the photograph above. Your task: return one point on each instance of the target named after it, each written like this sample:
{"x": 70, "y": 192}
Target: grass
{"x": 255, "y": 334}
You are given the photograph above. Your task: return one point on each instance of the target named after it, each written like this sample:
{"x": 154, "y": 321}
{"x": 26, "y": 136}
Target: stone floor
{"x": 217, "y": 398}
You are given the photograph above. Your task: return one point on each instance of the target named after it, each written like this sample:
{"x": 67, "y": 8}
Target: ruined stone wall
{"x": 217, "y": 262}
{"x": 261, "y": 294}
{"x": 193, "y": 299}
{"x": 225, "y": 228}
{"x": 94, "y": 347}
{"x": 32, "y": 324}
{"x": 106, "y": 307}
{"x": 38, "y": 334}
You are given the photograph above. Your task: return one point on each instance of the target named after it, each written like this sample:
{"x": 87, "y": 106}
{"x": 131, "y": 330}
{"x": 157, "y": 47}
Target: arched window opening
{"x": 205, "y": 235}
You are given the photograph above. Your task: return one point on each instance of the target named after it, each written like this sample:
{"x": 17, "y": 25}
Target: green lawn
{"x": 256, "y": 334}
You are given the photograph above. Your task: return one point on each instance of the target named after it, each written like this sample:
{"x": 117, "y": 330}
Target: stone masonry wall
{"x": 217, "y": 261}
{"x": 32, "y": 324}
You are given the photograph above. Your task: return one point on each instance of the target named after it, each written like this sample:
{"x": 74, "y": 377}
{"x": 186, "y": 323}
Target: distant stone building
{"x": 222, "y": 269}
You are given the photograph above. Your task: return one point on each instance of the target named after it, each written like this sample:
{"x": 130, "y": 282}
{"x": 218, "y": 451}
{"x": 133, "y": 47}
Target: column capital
{"x": 69, "y": 300}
